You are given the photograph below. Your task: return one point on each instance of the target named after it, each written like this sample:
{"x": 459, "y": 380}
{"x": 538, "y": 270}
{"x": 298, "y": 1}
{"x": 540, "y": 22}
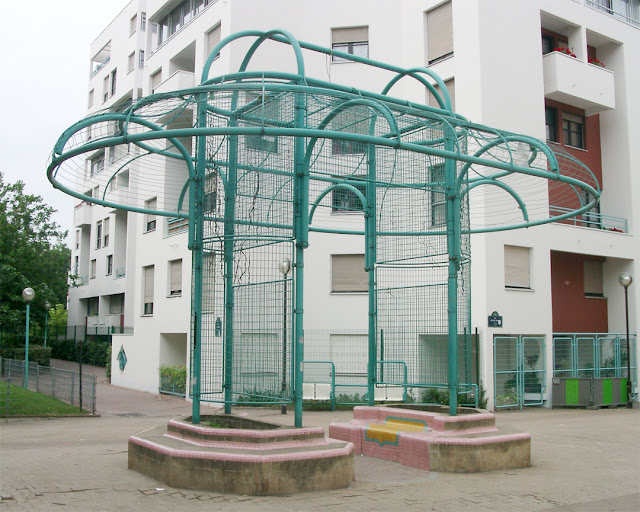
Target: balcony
{"x": 179, "y": 80}
{"x": 571, "y": 81}
{"x": 120, "y": 272}
{"x": 593, "y": 220}
{"x": 82, "y": 215}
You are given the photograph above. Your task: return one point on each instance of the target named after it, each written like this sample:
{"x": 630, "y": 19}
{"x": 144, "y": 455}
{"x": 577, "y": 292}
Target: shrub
{"x": 37, "y": 354}
{"x": 93, "y": 352}
{"x": 173, "y": 378}
{"x": 108, "y": 365}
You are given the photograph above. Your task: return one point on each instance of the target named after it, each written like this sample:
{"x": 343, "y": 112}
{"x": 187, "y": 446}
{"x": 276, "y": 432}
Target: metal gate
{"x": 519, "y": 370}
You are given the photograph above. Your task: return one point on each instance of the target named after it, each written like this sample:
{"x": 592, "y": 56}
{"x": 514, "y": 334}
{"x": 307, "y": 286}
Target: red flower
{"x": 596, "y": 62}
{"x": 565, "y": 51}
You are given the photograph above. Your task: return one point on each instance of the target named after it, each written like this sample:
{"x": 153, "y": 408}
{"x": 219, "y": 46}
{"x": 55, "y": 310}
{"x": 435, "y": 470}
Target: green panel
{"x": 573, "y": 392}
{"x": 623, "y": 391}
{"x": 607, "y": 391}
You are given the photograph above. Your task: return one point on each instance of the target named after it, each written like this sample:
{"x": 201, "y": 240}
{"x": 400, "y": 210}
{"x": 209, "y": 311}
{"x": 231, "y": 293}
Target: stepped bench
{"x": 433, "y": 440}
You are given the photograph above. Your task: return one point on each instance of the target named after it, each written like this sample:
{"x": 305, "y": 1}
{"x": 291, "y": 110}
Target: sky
{"x": 44, "y": 86}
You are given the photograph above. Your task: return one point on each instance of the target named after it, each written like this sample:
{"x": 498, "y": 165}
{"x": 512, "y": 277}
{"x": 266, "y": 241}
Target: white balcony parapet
{"x": 178, "y": 80}
{"x": 571, "y": 81}
{"x": 82, "y": 215}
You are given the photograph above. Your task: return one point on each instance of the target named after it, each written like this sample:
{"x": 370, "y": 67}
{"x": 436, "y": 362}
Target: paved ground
{"x": 583, "y": 461}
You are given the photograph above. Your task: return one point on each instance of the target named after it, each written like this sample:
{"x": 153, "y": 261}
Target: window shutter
{"x": 349, "y": 35}
{"x": 439, "y": 32}
{"x": 348, "y": 274}
{"x": 156, "y": 79}
{"x": 148, "y": 284}
{"x": 213, "y": 38}
{"x": 516, "y": 267}
{"x": 176, "y": 276}
{"x": 105, "y": 227}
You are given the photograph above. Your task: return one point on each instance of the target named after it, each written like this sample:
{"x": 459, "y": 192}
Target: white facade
{"x": 501, "y": 80}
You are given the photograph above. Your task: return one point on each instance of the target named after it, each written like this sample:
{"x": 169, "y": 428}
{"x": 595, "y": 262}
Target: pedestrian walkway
{"x": 583, "y": 461}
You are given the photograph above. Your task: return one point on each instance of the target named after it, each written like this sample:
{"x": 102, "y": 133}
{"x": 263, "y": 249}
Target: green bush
{"x": 108, "y": 365}
{"x": 173, "y": 379}
{"x": 37, "y": 354}
{"x": 93, "y": 352}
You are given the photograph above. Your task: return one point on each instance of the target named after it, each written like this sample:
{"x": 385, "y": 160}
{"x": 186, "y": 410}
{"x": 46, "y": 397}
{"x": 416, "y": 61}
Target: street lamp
{"x": 625, "y": 280}
{"x": 27, "y": 294}
{"x": 47, "y": 307}
{"x": 284, "y": 266}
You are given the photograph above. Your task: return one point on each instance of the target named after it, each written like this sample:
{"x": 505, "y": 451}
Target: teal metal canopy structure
{"x": 256, "y": 160}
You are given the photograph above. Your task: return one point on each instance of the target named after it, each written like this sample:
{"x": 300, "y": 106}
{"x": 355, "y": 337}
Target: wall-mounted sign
{"x": 495, "y": 320}
{"x": 122, "y": 358}
{"x": 218, "y": 327}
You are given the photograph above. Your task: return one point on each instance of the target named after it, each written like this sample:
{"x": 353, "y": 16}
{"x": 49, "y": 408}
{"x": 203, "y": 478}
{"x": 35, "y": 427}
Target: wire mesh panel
{"x": 506, "y": 360}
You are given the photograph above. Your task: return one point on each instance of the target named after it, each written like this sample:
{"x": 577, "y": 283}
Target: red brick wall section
{"x": 572, "y": 311}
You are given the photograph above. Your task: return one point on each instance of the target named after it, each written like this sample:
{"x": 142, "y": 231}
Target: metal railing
{"x": 624, "y": 10}
{"x": 65, "y": 385}
{"x": 593, "y": 220}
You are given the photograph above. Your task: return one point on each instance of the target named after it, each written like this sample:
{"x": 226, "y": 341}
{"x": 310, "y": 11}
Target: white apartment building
{"x": 554, "y": 286}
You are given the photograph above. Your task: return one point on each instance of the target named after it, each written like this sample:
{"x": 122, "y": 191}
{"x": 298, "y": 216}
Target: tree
{"x": 32, "y": 253}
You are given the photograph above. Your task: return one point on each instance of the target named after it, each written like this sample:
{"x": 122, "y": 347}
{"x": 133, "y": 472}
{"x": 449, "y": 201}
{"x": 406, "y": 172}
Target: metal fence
{"x": 65, "y": 385}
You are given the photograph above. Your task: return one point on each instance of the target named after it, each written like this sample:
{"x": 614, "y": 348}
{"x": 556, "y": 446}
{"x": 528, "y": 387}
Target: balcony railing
{"x": 100, "y": 66}
{"x": 624, "y": 10}
{"x": 593, "y": 220}
{"x": 177, "y": 225}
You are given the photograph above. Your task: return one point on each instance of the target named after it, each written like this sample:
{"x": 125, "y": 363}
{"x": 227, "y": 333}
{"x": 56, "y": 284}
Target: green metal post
{"x": 46, "y": 316}
{"x": 301, "y": 212}
{"x": 196, "y": 193}
{"x": 26, "y": 352}
{"x": 229, "y": 234}
{"x": 453, "y": 248}
{"x": 370, "y": 261}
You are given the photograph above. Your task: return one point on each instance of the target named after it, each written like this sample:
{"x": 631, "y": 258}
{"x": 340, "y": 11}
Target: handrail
{"x": 593, "y": 220}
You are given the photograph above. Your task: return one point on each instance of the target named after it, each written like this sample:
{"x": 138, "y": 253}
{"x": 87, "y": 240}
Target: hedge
{"x": 37, "y": 354}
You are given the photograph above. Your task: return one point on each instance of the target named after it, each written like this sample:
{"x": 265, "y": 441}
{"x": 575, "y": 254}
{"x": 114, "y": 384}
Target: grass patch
{"x": 30, "y": 403}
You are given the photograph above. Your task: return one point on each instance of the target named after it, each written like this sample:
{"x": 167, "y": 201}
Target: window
{"x": 113, "y": 82}
{"x": 141, "y": 59}
{"x": 131, "y": 62}
{"x": 346, "y": 200}
{"x": 350, "y": 121}
{"x": 105, "y": 89}
{"x": 147, "y": 287}
{"x": 98, "y": 234}
{"x": 133, "y": 24}
{"x": 213, "y": 38}
{"x": 112, "y": 154}
{"x": 76, "y": 268}
{"x": 90, "y": 98}
{"x": 353, "y": 40}
{"x": 116, "y": 304}
{"x": 438, "y": 197}
{"x": 517, "y": 267}
{"x": 143, "y": 21}
{"x": 179, "y": 17}
{"x": 177, "y": 225}
{"x": 96, "y": 192}
{"x": 551, "y": 123}
{"x": 547, "y": 44}
{"x": 122, "y": 179}
{"x": 552, "y": 40}
{"x": 156, "y": 80}
{"x": 439, "y": 27}
{"x": 110, "y": 264}
{"x": 150, "y": 218}
{"x": 92, "y": 275}
{"x": 267, "y": 143}
{"x": 593, "y": 280}
{"x": 175, "y": 278}
{"x": 105, "y": 225}
{"x": 591, "y": 218}
{"x": 92, "y": 306}
{"x": 573, "y": 130}
{"x": 450, "y": 85}
{"x": 210, "y": 194}
{"x": 348, "y": 274}
{"x": 77, "y": 239}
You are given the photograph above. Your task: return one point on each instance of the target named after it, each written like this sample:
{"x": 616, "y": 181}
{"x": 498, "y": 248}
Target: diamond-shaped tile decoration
{"x": 122, "y": 358}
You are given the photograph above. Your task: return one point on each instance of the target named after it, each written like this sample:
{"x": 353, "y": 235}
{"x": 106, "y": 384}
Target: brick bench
{"x": 433, "y": 440}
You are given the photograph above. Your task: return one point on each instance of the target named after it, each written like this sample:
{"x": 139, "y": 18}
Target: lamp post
{"x": 625, "y": 280}
{"x": 284, "y": 266}
{"x": 27, "y": 294}
{"x": 47, "y": 307}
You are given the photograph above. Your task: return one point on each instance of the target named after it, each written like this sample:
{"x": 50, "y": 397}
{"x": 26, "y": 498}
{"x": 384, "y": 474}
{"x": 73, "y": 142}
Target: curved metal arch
{"x": 553, "y": 161}
{"x": 503, "y": 186}
{"x": 323, "y": 194}
{"x": 413, "y": 73}
{"x": 262, "y": 36}
{"x": 103, "y": 143}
